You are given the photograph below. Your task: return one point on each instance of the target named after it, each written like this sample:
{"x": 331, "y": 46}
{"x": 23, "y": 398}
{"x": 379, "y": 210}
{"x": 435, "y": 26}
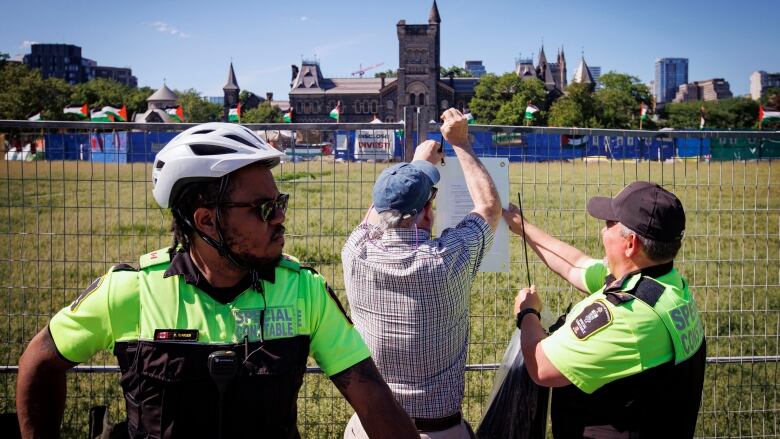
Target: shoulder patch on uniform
{"x": 649, "y": 290}
{"x": 338, "y": 302}
{"x": 592, "y": 319}
{"x": 92, "y": 287}
{"x": 289, "y": 263}
{"x": 154, "y": 258}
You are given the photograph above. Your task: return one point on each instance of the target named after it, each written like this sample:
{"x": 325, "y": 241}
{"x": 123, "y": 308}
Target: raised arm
{"x": 481, "y": 187}
{"x": 40, "y": 388}
{"x": 565, "y": 260}
{"x": 379, "y": 412}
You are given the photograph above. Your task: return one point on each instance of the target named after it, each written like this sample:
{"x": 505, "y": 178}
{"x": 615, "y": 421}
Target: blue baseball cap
{"x": 405, "y": 187}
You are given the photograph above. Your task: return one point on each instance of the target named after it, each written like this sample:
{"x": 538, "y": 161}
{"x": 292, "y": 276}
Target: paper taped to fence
{"x": 453, "y": 203}
{"x": 374, "y": 144}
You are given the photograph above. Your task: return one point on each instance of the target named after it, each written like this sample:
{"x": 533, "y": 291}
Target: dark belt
{"x": 437, "y": 424}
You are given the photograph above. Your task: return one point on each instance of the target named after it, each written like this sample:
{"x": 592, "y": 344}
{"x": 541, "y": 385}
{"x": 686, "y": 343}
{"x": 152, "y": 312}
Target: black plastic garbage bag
{"x": 517, "y": 407}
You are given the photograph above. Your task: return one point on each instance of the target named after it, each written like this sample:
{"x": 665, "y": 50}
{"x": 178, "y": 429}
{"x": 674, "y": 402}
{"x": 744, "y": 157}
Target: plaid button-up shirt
{"x": 409, "y": 299}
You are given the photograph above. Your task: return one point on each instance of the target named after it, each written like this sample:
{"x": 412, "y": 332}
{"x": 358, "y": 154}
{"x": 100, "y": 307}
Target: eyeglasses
{"x": 434, "y": 190}
{"x": 266, "y": 209}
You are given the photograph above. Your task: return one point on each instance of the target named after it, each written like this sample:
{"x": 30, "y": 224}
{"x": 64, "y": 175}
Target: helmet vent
{"x": 241, "y": 140}
{"x": 203, "y": 132}
{"x": 203, "y": 149}
{"x": 159, "y": 164}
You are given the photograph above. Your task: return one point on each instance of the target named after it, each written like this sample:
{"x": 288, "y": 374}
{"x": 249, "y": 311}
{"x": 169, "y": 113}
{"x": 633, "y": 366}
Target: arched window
{"x": 298, "y": 107}
{"x": 390, "y": 105}
{"x": 444, "y": 104}
{"x": 421, "y": 99}
{"x": 374, "y": 106}
{"x": 412, "y": 99}
{"x": 357, "y": 107}
{"x": 306, "y": 107}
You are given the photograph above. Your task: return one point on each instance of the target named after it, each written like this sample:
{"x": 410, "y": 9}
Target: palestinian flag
{"x": 529, "y": 111}
{"x": 101, "y": 116}
{"x": 35, "y": 117}
{"x": 336, "y": 112}
{"x": 768, "y": 116}
{"x": 469, "y": 118}
{"x": 288, "y": 116}
{"x": 82, "y": 111}
{"x": 234, "y": 115}
{"x": 120, "y": 114}
{"x": 643, "y": 111}
{"x": 175, "y": 113}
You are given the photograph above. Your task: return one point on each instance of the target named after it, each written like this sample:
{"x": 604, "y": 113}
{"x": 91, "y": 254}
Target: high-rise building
{"x": 595, "y": 72}
{"x": 122, "y": 75}
{"x": 670, "y": 74}
{"x": 475, "y": 68}
{"x": 760, "y": 81}
{"x": 708, "y": 90}
{"x": 62, "y": 61}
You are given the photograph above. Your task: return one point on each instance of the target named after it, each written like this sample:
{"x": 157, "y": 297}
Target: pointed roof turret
{"x": 434, "y": 17}
{"x": 561, "y": 56}
{"x": 582, "y": 74}
{"x": 163, "y": 94}
{"x": 231, "y": 81}
{"x": 542, "y": 57}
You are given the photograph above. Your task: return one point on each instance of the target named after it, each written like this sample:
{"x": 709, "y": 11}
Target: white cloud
{"x": 165, "y": 28}
{"x": 304, "y": 18}
{"x": 26, "y": 44}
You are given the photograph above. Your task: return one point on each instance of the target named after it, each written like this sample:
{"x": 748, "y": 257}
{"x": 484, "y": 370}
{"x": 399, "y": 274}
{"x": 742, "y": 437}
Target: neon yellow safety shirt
{"x": 602, "y": 342}
{"x": 109, "y": 312}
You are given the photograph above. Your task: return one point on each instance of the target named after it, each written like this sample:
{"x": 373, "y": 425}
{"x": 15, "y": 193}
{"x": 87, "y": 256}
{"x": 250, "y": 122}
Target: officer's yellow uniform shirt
{"x": 296, "y": 304}
{"x": 601, "y": 342}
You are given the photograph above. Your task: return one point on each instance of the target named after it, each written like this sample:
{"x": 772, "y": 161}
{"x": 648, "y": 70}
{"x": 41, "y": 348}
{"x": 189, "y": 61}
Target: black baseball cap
{"x": 644, "y": 207}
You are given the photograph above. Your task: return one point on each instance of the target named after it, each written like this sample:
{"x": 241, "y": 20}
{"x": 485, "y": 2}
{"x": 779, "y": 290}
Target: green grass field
{"x": 64, "y": 223}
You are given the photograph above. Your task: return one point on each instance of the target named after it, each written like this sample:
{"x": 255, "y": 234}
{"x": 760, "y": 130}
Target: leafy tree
{"x": 23, "y": 91}
{"x": 771, "y": 98}
{"x": 502, "y": 99}
{"x": 458, "y": 72}
{"x": 513, "y": 112}
{"x": 389, "y": 73}
{"x": 736, "y": 113}
{"x": 577, "y": 108}
{"x": 619, "y": 100}
{"x": 197, "y": 110}
{"x": 264, "y": 113}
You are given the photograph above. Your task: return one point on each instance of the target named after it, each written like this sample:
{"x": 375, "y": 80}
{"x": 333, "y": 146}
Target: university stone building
{"x": 417, "y": 88}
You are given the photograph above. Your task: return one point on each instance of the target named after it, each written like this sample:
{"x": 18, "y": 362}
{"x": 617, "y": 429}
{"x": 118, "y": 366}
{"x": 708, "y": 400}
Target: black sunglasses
{"x": 266, "y": 209}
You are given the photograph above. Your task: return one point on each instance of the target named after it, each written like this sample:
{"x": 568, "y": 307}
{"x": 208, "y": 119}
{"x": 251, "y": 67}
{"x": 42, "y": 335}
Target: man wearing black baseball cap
{"x": 409, "y": 291}
{"x": 629, "y": 359}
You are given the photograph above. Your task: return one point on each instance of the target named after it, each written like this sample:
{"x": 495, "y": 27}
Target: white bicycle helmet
{"x": 205, "y": 152}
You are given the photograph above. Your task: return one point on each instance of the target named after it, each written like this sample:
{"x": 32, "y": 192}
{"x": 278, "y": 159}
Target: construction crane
{"x": 362, "y": 71}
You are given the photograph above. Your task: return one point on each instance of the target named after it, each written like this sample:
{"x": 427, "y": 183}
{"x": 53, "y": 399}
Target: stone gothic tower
{"x": 419, "y": 67}
{"x": 562, "y": 69}
{"x": 231, "y": 92}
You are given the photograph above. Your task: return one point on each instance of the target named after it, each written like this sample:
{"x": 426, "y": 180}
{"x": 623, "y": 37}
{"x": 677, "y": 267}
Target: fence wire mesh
{"x": 79, "y": 202}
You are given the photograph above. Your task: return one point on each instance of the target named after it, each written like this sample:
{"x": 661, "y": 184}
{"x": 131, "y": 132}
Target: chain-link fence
{"x": 77, "y": 200}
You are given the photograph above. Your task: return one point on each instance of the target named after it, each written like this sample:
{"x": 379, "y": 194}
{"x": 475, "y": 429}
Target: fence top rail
{"x": 498, "y": 129}
{"x": 86, "y": 126}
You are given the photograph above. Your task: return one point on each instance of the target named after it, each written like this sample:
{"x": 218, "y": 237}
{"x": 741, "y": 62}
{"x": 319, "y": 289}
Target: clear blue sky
{"x": 191, "y": 43}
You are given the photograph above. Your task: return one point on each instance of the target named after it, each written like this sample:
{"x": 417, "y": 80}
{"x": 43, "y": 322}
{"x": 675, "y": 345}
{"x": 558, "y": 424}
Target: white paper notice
{"x": 453, "y": 202}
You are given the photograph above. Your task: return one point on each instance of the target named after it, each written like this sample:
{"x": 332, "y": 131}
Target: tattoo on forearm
{"x": 364, "y": 372}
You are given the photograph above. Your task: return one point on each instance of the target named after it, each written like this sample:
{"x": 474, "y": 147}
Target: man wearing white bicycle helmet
{"x": 212, "y": 334}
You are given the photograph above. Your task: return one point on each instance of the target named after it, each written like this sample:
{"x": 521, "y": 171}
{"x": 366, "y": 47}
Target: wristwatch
{"x": 524, "y": 313}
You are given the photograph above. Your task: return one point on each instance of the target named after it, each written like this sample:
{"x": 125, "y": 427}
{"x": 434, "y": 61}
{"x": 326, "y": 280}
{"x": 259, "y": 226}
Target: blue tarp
{"x": 123, "y": 147}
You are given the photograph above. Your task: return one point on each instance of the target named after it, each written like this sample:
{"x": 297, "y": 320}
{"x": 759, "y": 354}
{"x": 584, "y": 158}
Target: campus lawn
{"x": 64, "y": 223}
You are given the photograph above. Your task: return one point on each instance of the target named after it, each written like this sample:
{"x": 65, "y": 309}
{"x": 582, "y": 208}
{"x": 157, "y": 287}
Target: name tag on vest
{"x": 176, "y": 335}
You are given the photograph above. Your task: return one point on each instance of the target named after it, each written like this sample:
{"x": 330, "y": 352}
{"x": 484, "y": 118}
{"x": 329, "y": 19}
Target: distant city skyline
{"x": 190, "y": 45}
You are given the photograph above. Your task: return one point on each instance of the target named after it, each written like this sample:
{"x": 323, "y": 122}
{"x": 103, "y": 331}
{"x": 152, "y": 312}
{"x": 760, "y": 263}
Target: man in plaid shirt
{"x": 409, "y": 292}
